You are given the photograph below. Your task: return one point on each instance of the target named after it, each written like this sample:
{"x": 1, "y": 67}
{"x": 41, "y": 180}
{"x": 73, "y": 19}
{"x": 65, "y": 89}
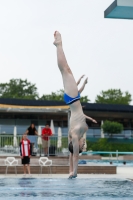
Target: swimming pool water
{"x": 107, "y": 162}
{"x": 65, "y": 189}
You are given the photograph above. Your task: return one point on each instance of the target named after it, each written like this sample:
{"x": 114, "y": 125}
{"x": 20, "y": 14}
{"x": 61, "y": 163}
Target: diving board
{"x": 107, "y": 152}
{"x": 120, "y": 9}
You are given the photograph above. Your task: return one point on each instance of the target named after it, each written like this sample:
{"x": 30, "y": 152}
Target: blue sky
{"x": 97, "y": 47}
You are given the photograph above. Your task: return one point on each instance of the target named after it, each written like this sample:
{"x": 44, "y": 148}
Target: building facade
{"x": 21, "y": 113}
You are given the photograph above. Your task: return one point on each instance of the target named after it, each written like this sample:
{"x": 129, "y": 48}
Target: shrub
{"x": 104, "y": 144}
{"x": 112, "y": 127}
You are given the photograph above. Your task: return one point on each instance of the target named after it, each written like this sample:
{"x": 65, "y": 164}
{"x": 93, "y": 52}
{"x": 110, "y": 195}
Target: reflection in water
{"x": 26, "y": 182}
{"x": 28, "y": 194}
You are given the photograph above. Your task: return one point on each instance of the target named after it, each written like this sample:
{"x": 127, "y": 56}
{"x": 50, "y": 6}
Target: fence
{"x": 9, "y": 145}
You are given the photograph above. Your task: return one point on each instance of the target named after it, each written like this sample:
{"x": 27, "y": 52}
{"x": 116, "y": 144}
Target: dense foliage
{"x": 114, "y": 96}
{"x": 104, "y": 144}
{"x": 22, "y": 89}
{"x": 18, "y": 89}
{"x": 112, "y": 127}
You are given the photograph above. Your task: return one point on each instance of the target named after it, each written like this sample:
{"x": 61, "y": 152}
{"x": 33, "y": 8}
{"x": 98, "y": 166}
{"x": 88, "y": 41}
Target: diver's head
{"x": 71, "y": 148}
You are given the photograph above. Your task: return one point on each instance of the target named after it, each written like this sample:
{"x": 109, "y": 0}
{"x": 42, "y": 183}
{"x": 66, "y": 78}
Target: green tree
{"x": 112, "y": 127}
{"x": 58, "y": 96}
{"x": 114, "y": 96}
{"x": 19, "y": 89}
{"x": 54, "y": 96}
{"x": 84, "y": 99}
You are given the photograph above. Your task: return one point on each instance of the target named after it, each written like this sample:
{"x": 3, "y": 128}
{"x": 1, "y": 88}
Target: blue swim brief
{"x": 70, "y": 100}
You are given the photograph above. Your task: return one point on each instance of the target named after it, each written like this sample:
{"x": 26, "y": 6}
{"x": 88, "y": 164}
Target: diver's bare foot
{"x": 57, "y": 37}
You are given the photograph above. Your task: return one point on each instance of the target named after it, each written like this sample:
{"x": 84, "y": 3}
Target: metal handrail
{"x": 107, "y": 152}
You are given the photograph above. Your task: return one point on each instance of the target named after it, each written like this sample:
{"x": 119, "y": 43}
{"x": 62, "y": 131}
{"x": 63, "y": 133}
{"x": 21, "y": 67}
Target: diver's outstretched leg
{"x": 69, "y": 82}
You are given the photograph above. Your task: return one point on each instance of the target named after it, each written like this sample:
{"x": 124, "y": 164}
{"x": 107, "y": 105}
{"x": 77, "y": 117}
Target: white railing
{"x": 11, "y": 146}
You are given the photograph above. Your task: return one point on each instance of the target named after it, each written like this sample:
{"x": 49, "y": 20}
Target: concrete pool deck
{"x": 122, "y": 173}
{"x": 60, "y": 165}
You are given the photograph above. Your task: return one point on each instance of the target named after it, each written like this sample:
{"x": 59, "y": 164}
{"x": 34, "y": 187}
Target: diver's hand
{"x": 82, "y": 76}
{"x": 93, "y": 120}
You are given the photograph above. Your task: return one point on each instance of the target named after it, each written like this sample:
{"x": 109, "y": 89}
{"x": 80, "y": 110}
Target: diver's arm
{"x": 78, "y": 82}
{"x": 93, "y": 120}
{"x": 83, "y": 86}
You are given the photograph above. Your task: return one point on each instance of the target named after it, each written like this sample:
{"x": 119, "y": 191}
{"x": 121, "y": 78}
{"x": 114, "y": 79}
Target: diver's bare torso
{"x": 78, "y": 124}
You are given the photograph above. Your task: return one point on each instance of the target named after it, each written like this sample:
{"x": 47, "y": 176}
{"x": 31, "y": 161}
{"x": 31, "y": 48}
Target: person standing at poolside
{"x": 78, "y": 124}
{"x": 46, "y": 133}
{"x": 32, "y": 135}
{"x": 25, "y": 153}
